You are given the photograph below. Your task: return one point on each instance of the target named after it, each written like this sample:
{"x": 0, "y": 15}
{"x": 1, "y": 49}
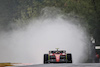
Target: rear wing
{"x": 60, "y": 51}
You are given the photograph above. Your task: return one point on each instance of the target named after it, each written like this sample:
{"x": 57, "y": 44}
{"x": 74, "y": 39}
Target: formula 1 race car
{"x": 58, "y": 56}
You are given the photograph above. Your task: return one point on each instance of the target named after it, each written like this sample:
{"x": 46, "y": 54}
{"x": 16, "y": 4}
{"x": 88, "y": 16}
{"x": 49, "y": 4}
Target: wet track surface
{"x": 65, "y": 65}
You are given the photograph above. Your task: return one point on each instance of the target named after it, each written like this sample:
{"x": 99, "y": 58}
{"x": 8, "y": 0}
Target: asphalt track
{"x": 64, "y": 65}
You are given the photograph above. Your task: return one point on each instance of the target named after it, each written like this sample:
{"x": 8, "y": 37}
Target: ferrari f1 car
{"x": 58, "y": 56}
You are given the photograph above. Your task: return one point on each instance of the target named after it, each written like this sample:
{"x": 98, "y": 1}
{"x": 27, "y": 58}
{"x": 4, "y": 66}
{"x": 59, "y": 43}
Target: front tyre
{"x": 69, "y": 58}
{"x": 45, "y": 58}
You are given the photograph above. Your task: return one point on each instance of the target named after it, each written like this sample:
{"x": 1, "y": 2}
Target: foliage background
{"x": 87, "y": 10}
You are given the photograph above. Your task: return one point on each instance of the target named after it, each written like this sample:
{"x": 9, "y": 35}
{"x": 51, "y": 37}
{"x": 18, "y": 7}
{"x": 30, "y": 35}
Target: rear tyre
{"x": 69, "y": 58}
{"x": 45, "y": 58}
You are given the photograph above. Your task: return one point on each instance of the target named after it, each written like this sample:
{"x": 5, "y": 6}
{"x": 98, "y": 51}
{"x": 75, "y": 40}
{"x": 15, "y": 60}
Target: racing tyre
{"x": 45, "y": 58}
{"x": 69, "y": 58}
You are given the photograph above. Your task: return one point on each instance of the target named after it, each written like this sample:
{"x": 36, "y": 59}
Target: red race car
{"x": 58, "y": 56}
